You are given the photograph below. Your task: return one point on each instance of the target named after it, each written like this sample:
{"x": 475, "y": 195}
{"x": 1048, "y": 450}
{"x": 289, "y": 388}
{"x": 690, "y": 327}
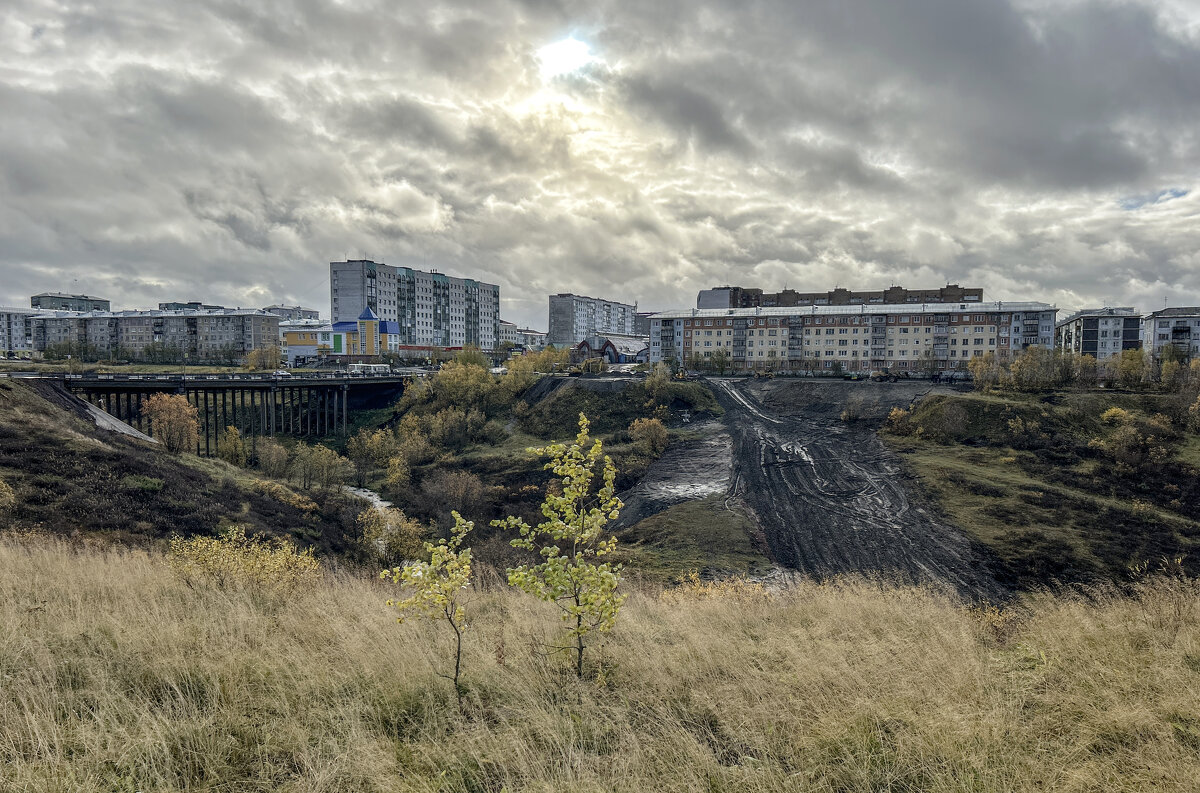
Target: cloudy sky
{"x": 227, "y": 151}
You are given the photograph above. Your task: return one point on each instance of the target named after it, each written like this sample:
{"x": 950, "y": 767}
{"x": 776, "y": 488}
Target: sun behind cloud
{"x": 563, "y": 57}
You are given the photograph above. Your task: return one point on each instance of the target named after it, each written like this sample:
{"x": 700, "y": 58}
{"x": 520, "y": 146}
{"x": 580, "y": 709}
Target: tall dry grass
{"x": 115, "y": 675}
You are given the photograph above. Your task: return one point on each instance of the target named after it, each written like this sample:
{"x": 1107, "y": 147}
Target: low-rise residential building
{"x": 743, "y": 297}
{"x": 613, "y": 349}
{"x": 1099, "y": 332}
{"x": 574, "y": 318}
{"x": 224, "y": 335}
{"x": 291, "y": 313}
{"x": 1172, "y": 327}
{"x": 300, "y": 339}
{"x": 531, "y": 339}
{"x": 524, "y": 338}
{"x": 859, "y": 338}
{"x": 60, "y": 301}
{"x": 16, "y": 334}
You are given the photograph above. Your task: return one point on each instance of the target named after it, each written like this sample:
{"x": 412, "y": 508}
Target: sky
{"x": 638, "y": 151}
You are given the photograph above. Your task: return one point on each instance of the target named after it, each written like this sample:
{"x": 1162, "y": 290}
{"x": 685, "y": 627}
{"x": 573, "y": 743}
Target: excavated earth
{"x": 829, "y": 496}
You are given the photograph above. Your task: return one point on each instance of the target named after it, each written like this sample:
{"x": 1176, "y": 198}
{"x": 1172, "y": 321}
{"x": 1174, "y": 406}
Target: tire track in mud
{"x": 830, "y": 497}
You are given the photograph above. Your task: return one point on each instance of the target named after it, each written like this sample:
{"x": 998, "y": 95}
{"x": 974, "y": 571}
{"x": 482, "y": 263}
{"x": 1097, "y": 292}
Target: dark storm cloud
{"x": 226, "y": 151}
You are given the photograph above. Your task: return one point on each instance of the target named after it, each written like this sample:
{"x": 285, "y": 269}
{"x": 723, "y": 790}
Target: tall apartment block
{"x": 574, "y": 318}
{"x": 861, "y": 338}
{"x": 1099, "y": 332}
{"x": 58, "y": 301}
{"x": 1172, "y": 327}
{"x": 742, "y": 297}
{"x": 431, "y": 309}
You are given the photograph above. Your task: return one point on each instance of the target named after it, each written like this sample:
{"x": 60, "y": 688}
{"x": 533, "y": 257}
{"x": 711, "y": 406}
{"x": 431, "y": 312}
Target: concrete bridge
{"x": 304, "y": 405}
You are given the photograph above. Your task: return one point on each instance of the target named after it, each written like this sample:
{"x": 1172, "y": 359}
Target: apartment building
{"x": 198, "y": 335}
{"x": 1172, "y": 327}
{"x": 430, "y": 309}
{"x": 743, "y": 297}
{"x": 60, "y": 301}
{"x": 860, "y": 338}
{"x": 574, "y": 318}
{"x": 1099, "y": 332}
{"x": 16, "y": 335}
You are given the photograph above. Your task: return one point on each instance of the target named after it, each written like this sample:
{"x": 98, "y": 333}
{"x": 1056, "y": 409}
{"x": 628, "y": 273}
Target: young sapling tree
{"x": 570, "y": 541}
{"x": 438, "y": 587}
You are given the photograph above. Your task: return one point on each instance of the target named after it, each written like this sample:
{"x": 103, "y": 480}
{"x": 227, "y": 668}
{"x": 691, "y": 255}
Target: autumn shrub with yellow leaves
{"x": 234, "y": 560}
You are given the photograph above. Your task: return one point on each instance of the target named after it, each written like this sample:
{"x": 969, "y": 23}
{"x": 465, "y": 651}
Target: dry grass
{"x": 115, "y": 675}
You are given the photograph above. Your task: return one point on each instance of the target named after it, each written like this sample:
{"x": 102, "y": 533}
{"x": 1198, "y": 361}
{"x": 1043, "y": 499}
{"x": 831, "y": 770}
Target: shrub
{"x": 285, "y": 495}
{"x": 1116, "y": 416}
{"x": 650, "y": 434}
{"x": 458, "y": 491}
{"x": 235, "y": 560}
{"x": 398, "y": 475}
{"x": 898, "y": 422}
{"x": 390, "y": 535}
{"x": 231, "y": 448}
{"x": 174, "y": 421}
{"x": 272, "y": 458}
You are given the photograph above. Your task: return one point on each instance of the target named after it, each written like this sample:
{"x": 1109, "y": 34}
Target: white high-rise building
{"x": 429, "y": 308}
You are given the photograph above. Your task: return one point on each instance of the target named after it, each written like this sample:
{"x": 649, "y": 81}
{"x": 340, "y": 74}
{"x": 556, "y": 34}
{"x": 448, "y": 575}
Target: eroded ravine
{"x": 829, "y": 496}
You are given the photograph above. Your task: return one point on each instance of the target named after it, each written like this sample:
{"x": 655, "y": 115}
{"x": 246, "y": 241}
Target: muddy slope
{"x": 829, "y": 496}
{"x": 690, "y": 470}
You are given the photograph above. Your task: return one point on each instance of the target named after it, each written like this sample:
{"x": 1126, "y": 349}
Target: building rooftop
{"x": 155, "y": 313}
{"x": 74, "y": 297}
{"x": 862, "y": 308}
{"x": 1181, "y": 311}
{"x": 1107, "y": 311}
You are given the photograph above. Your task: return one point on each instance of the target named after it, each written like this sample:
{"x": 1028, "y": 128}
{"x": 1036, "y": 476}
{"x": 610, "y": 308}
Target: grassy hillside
{"x": 69, "y": 476}
{"x": 120, "y": 677}
{"x": 1035, "y": 478}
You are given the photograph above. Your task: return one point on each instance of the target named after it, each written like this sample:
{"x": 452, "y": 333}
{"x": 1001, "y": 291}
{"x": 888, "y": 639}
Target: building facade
{"x": 1172, "y": 327}
{"x": 16, "y": 334}
{"x": 430, "y": 309}
{"x": 573, "y": 318}
{"x": 171, "y": 335}
{"x": 292, "y": 313}
{"x": 59, "y": 301}
{"x": 1099, "y": 332}
{"x": 861, "y": 338}
{"x": 742, "y": 297}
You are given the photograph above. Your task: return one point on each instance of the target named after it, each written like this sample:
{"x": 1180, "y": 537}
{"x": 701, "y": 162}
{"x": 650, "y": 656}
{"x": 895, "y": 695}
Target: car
{"x": 282, "y": 373}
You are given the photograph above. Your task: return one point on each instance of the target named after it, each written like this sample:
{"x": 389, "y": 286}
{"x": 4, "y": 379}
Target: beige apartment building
{"x": 860, "y": 338}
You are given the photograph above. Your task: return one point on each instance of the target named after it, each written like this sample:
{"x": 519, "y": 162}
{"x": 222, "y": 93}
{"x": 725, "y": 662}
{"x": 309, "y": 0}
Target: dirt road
{"x": 829, "y": 496}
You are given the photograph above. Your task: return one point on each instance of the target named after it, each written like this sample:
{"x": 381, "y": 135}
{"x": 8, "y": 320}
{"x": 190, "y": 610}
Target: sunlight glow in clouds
{"x": 563, "y": 57}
